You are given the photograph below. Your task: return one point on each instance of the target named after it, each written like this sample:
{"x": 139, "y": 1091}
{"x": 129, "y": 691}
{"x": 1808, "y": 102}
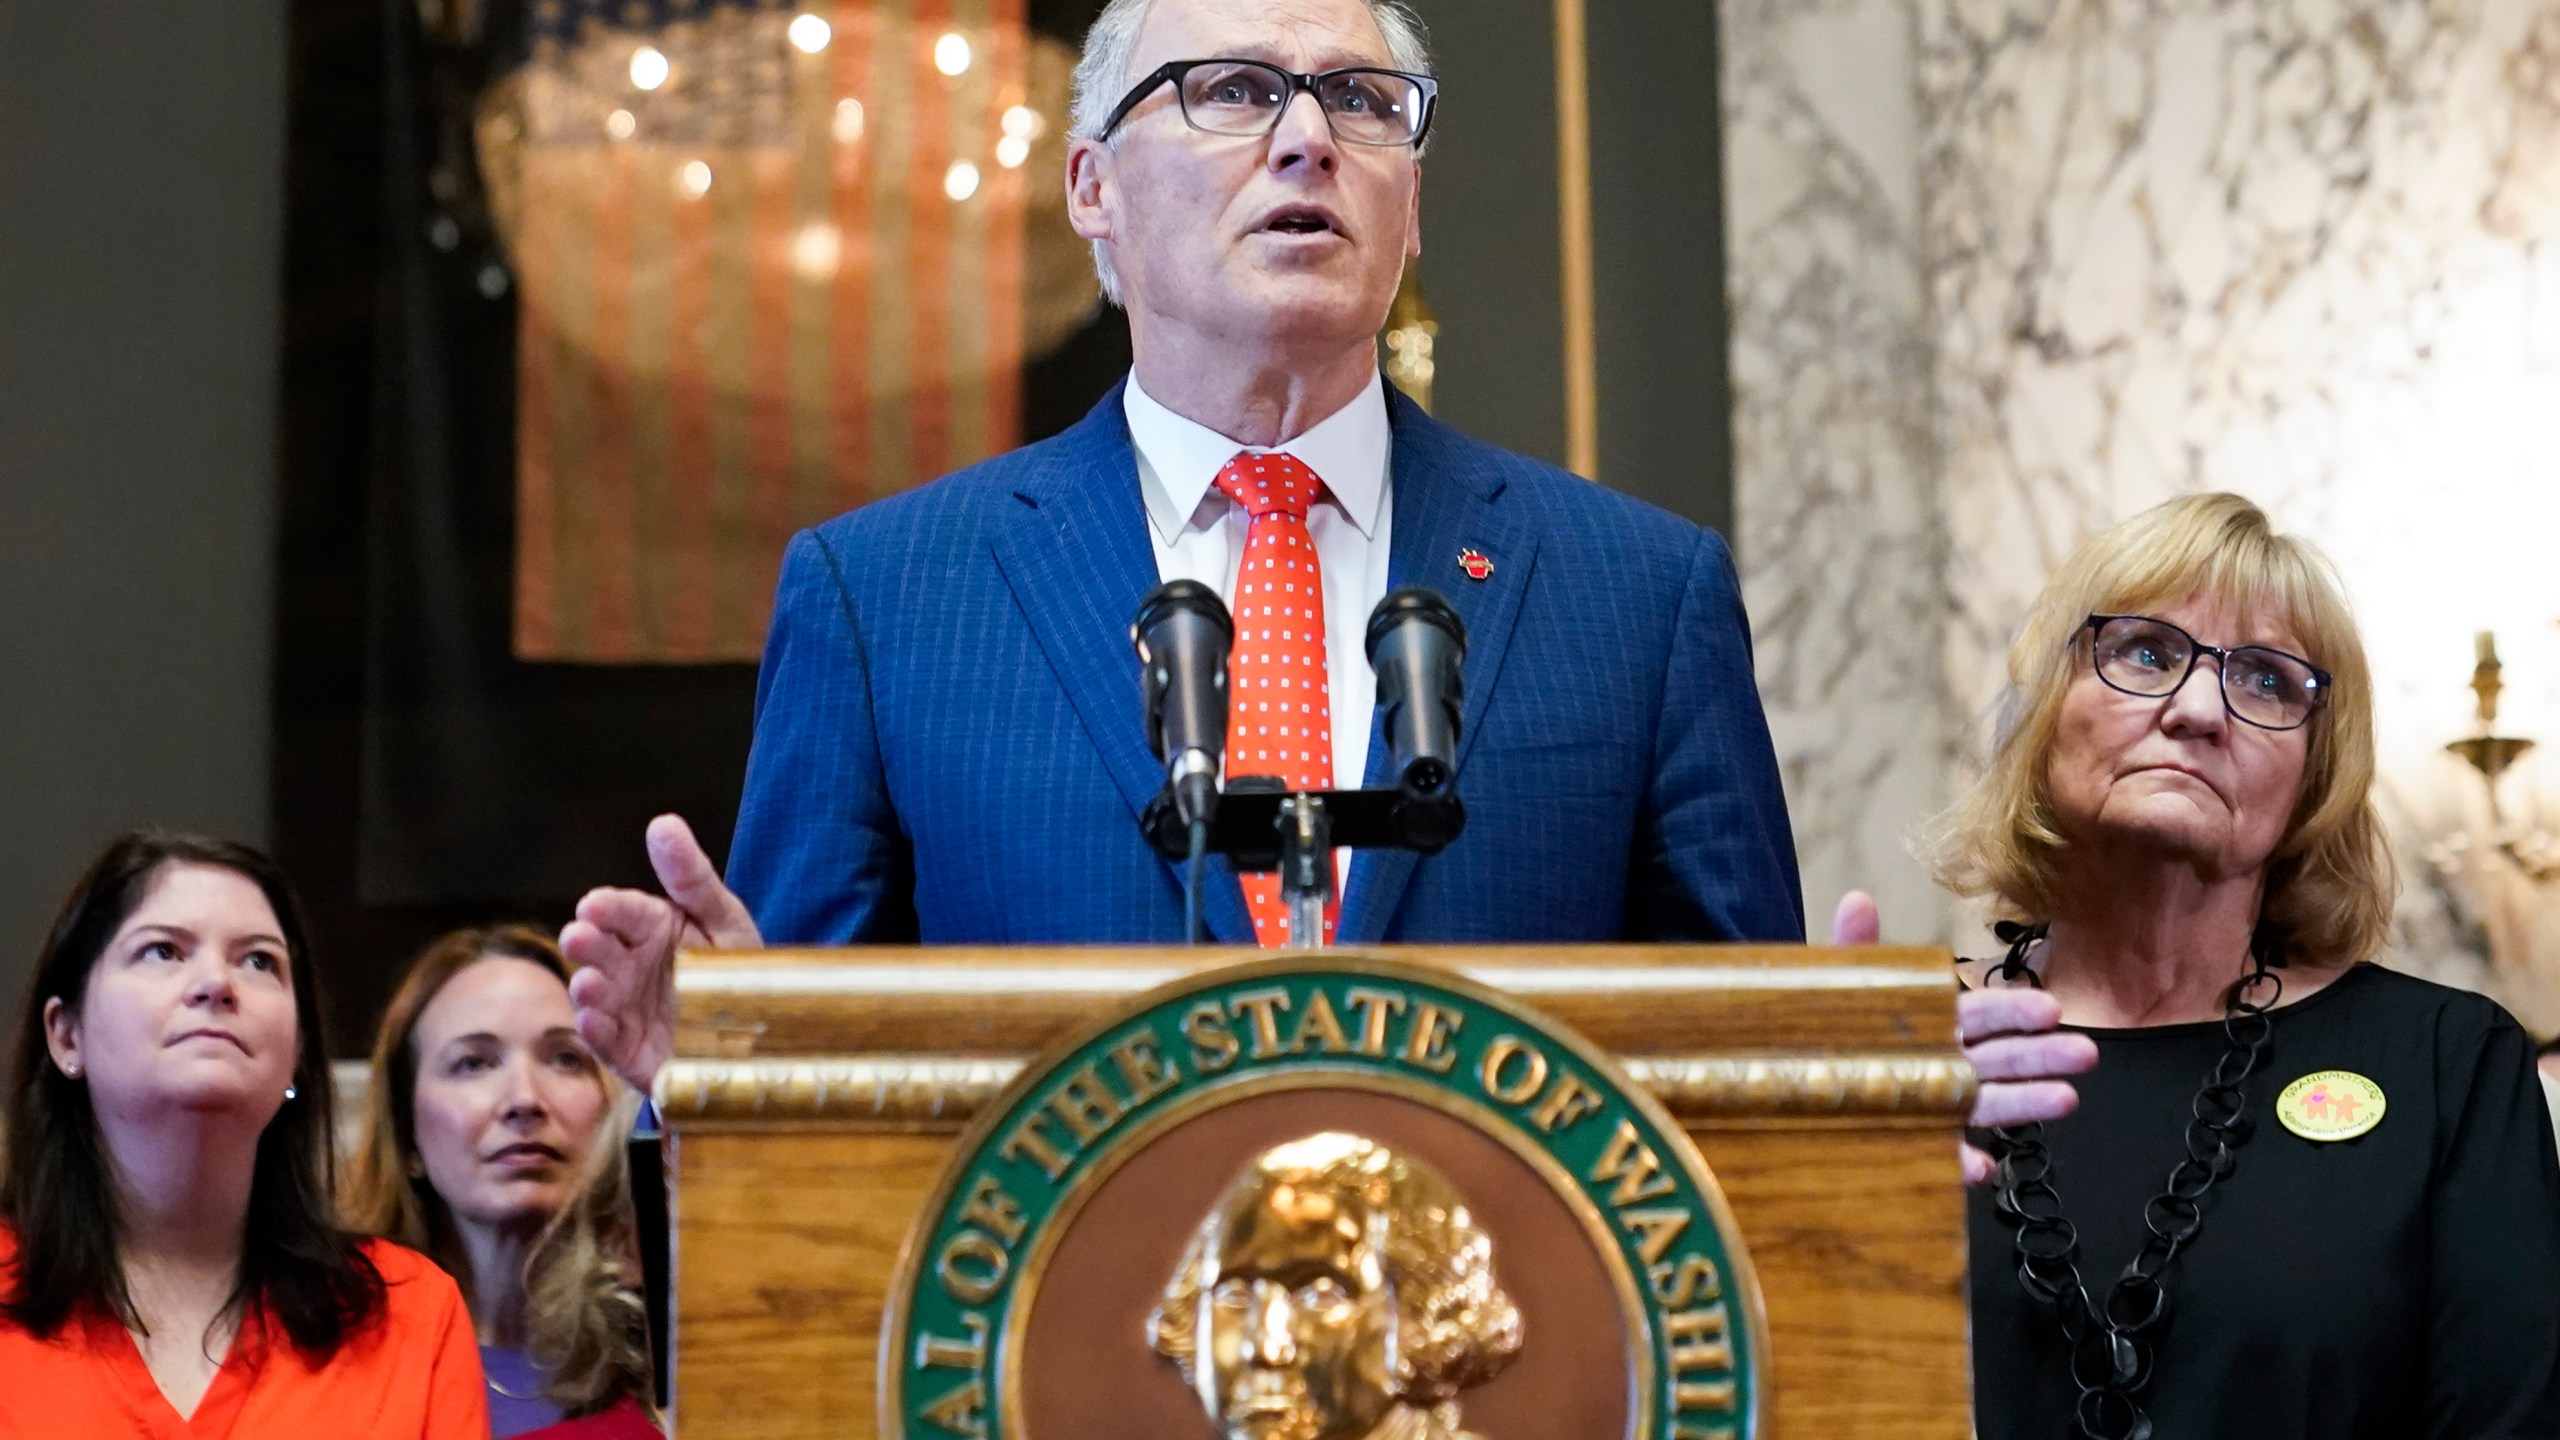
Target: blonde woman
{"x": 492, "y": 1144}
{"x": 2303, "y": 1196}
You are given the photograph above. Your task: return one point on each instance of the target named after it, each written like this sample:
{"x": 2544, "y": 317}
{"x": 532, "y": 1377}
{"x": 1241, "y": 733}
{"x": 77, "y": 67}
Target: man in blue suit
{"x": 949, "y": 745}
{"x": 949, "y": 739}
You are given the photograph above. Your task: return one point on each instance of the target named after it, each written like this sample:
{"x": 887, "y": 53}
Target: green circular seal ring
{"x": 961, "y": 1298}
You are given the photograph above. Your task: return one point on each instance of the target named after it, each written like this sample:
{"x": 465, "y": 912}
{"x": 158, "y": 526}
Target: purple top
{"x": 511, "y": 1375}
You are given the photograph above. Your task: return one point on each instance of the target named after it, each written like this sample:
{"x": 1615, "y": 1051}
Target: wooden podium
{"x": 816, "y": 1097}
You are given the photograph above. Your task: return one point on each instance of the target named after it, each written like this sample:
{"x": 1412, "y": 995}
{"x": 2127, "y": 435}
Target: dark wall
{"x": 140, "y": 214}
{"x": 1490, "y": 262}
{"x": 1491, "y": 248}
{"x": 1657, "y": 249}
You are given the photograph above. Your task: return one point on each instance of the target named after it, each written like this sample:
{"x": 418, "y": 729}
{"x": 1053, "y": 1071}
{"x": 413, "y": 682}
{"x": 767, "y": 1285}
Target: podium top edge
{"x": 1132, "y": 969}
{"x": 1197, "y": 956}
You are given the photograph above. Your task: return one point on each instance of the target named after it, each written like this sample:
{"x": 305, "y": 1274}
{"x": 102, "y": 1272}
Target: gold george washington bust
{"x": 1338, "y": 1291}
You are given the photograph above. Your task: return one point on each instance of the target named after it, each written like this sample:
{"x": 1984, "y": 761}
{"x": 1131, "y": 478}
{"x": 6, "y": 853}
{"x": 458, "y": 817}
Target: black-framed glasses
{"x": 2152, "y": 658}
{"x": 1247, "y": 97}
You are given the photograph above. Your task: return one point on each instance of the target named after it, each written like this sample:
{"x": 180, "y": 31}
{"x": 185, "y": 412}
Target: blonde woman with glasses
{"x": 2304, "y": 1197}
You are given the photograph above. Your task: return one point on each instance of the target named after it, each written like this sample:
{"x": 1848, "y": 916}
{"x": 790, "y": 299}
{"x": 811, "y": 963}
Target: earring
{"x": 288, "y": 1092}
{"x": 71, "y": 1071}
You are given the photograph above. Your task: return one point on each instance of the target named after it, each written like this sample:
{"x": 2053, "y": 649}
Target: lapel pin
{"x": 1474, "y": 563}
{"x": 2330, "y": 1105}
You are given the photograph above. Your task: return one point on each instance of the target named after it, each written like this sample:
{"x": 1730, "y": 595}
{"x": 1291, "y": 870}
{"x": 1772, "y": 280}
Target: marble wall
{"x": 1836, "y": 517}
{"x": 2307, "y": 250}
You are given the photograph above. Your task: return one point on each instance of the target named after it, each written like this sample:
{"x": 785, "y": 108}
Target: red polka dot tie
{"x": 1279, "y": 701}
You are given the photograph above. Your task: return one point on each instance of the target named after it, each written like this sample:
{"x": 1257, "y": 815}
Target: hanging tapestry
{"x": 772, "y": 264}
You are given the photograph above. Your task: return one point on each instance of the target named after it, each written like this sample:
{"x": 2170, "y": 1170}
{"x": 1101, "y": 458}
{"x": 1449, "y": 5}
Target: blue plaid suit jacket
{"x": 950, "y": 747}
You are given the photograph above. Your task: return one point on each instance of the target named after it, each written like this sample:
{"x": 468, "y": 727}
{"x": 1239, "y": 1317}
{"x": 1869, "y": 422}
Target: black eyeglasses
{"x": 1248, "y": 97}
{"x": 2152, "y": 658}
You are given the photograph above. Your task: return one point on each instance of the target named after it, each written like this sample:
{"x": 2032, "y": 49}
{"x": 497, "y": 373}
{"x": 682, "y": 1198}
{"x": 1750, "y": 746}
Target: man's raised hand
{"x": 623, "y": 944}
{"x": 2009, "y": 1038}
{"x": 2021, "y": 1061}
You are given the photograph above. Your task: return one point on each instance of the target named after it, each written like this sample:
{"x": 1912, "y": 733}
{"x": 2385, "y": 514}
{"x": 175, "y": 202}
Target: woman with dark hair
{"x": 491, "y": 1144}
{"x": 170, "y": 1261}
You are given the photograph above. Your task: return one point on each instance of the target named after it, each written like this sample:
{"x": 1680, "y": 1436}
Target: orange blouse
{"x": 413, "y": 1376}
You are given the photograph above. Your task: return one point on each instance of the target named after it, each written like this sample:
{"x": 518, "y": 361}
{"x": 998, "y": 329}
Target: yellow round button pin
{"x": 2330, "y": 1105}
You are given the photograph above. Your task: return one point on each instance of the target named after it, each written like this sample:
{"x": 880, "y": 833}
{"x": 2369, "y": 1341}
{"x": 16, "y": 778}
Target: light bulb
{"x": 816, "y": 251}
{"x": 810, "y": 33}
{"x": 649, "y": 67}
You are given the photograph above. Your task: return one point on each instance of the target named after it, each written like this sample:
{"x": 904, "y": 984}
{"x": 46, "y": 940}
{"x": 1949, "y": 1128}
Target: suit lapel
{"x": 1445, "y": 497}
{"x": 1076, "y": 554}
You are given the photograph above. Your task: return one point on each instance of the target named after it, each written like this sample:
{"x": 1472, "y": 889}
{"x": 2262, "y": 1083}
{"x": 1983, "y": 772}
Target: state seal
{"x": 1324, "y": 1198}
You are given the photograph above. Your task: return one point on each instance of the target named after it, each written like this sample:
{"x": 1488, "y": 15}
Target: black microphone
{"x": 1416, "y": 645}
{"x": 1183, "y": 635}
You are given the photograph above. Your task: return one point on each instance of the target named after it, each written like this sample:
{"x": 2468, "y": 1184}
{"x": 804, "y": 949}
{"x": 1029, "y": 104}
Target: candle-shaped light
{"x": 2485, "y": 681}
{"x": 2488, "y": 752}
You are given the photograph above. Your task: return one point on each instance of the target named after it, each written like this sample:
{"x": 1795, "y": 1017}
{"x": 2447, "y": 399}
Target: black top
{"x": 2402, "y": 1284}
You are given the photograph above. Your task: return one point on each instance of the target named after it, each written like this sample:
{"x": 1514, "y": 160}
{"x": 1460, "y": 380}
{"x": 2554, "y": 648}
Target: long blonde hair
{"x": 584, "y": 1328}
{"x": 586, "y": 1325}
{"x": 2330, "y": 883}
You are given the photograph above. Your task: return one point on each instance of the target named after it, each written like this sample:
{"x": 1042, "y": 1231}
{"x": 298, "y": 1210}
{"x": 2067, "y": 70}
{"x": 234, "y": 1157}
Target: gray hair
{"x": 1102, "y": 73}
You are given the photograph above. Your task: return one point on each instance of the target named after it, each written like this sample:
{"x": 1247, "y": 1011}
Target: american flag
{"x": 771, "y": 265}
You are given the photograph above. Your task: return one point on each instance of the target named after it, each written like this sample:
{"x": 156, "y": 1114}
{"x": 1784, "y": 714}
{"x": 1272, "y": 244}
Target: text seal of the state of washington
{"x": 1324, "y": 1198}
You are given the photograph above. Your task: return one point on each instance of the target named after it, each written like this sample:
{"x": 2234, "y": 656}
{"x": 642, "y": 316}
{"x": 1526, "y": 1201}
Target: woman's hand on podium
{"x": 2007, "y": 1036}
{"x": 624, "y": 945}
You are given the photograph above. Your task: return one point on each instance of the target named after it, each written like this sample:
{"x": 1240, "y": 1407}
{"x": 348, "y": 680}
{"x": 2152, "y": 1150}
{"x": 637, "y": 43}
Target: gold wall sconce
{"x": 2535, "y": 851}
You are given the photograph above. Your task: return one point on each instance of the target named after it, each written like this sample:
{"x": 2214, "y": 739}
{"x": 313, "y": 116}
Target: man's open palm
{"x": 2024, "y": 1065}
{"x": 624, "y": 942}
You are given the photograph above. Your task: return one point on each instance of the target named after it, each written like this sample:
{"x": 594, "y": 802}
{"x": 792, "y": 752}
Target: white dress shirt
{"x": 1199, "y": 534}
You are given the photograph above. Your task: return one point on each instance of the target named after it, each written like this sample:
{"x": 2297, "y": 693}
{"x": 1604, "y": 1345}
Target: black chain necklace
{"x": 2112, "y": 1341}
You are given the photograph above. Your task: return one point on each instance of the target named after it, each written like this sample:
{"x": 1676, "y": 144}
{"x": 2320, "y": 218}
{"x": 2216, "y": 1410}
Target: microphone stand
{"x": 1260, "y": 825}
{"x": 1306, "y": 867}
{"x": 1194, "y": 930}
{"x": 1200, "y": 772}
